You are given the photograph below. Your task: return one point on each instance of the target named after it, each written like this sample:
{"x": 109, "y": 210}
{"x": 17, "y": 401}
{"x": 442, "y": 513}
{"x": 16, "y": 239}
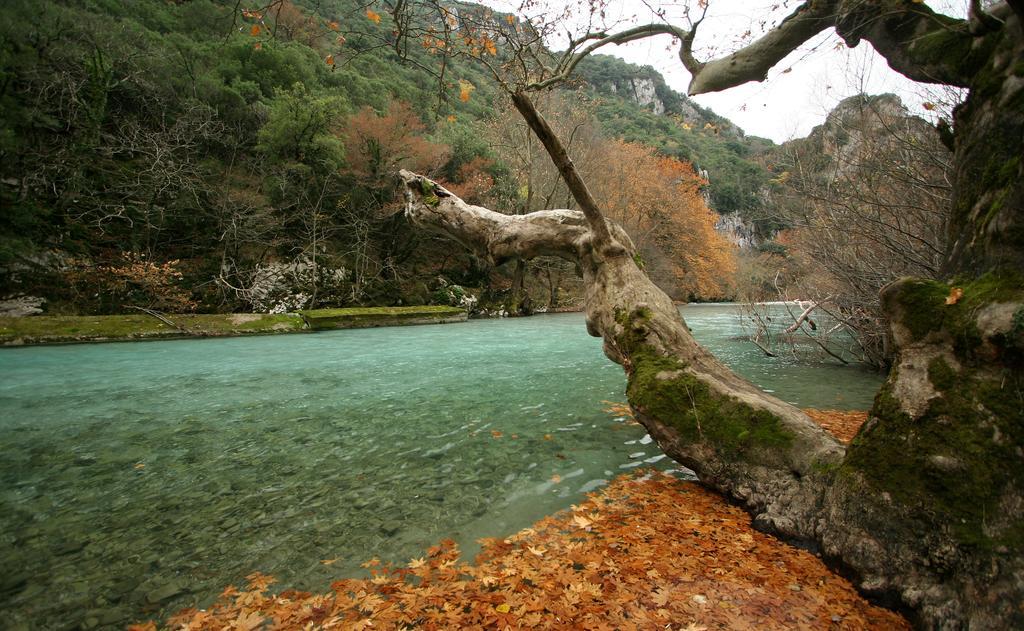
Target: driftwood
{"x": 164, "y": 319}
{"x": 804, "y": 317}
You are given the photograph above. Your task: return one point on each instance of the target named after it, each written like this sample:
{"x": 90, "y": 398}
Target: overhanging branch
{"x": 752, "y": 62}
{"x": 916, "y": 41}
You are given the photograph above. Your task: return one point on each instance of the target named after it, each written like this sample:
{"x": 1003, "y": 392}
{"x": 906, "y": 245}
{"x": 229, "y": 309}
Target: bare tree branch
{"x": 916, "y": 41}
{"x": 495, "y": 236}
{"x": 595, "y": 219}
{"x": 752, "y": 62}
{"x": 573, "y": 57}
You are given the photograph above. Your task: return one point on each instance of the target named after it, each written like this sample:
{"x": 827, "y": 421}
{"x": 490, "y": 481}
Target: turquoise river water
{"x": 140, "y": 478}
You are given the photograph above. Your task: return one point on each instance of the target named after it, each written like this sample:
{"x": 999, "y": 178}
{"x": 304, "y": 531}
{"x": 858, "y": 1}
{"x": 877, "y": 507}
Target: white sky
{"x": 788, "y": 104}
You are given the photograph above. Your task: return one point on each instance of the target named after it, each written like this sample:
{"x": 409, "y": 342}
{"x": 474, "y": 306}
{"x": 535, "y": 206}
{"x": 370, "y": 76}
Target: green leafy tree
{"x": 302, "y": 128}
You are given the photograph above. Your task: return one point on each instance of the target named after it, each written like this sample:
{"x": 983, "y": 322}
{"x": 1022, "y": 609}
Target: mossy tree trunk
{"x": 927, "y": 505}
{"x": 518, "y": 302}
{"x": 934, "y": 482}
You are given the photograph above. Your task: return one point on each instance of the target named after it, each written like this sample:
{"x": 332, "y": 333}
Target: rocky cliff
{"x": 644, "y": 86}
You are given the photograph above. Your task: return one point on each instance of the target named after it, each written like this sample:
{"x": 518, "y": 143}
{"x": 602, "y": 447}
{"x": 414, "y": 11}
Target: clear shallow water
{"x": 823, "y": 383}
{"x": 136, "y": 479}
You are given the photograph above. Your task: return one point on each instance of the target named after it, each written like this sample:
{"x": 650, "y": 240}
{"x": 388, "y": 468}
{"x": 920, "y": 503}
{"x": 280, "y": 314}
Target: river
{"x": 139, "y": 478}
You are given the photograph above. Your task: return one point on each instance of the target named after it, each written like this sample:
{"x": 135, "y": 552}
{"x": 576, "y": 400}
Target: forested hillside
{"x": 678, "y": 127}
{"x": 182, "y": 156}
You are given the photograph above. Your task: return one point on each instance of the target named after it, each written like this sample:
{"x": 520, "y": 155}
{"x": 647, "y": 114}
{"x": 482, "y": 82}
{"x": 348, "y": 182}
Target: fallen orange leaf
{"x": 247, "y": 621}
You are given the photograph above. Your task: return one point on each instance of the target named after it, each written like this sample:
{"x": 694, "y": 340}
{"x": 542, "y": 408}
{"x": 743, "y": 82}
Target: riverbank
{"x": 151, "y": 325}
{"x": 648, "y": 551}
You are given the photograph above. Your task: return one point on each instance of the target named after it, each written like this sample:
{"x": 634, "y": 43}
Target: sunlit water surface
{"x": 136, "y": 479}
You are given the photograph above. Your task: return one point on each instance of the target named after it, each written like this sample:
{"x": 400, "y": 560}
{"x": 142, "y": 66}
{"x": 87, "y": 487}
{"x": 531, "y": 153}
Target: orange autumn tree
{"x": 291, "y": 24}
{"x": 473, "y": 182}
{"x": 378, "y": 145}
{"x": 658, "y": 201}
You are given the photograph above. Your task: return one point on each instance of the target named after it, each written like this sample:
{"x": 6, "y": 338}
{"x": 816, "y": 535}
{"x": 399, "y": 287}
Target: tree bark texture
{"x": 938, "y": 471}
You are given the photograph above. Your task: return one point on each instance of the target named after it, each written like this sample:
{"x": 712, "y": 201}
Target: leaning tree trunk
{"x": 927, "y": 504}
{"x": 891, "y": 509}
{"x": 735, "y": 437}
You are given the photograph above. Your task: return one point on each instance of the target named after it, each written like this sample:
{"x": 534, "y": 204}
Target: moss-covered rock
{"x": 65, "y": 329}
{"x": 358, "y": 317}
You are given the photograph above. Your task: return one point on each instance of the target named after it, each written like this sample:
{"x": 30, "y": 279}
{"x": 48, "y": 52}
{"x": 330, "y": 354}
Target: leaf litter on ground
{"x": 843, "y": 424}
{"x": 648, "y": 551}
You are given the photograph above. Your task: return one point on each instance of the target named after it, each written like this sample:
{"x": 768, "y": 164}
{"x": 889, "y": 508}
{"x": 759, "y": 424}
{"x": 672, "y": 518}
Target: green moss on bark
{"x": 941, "y": 374}
{"x": 989, "y": 172}
{"x": 430, "y": 197}
{"x": 663, "y": 389}
{"x": 941, "y": 47}
{"x": 1015, "y": 340}
{"x": 921, "y": 307}
{"x": 961, "y": 318}
{"x": 955, "y": 462}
